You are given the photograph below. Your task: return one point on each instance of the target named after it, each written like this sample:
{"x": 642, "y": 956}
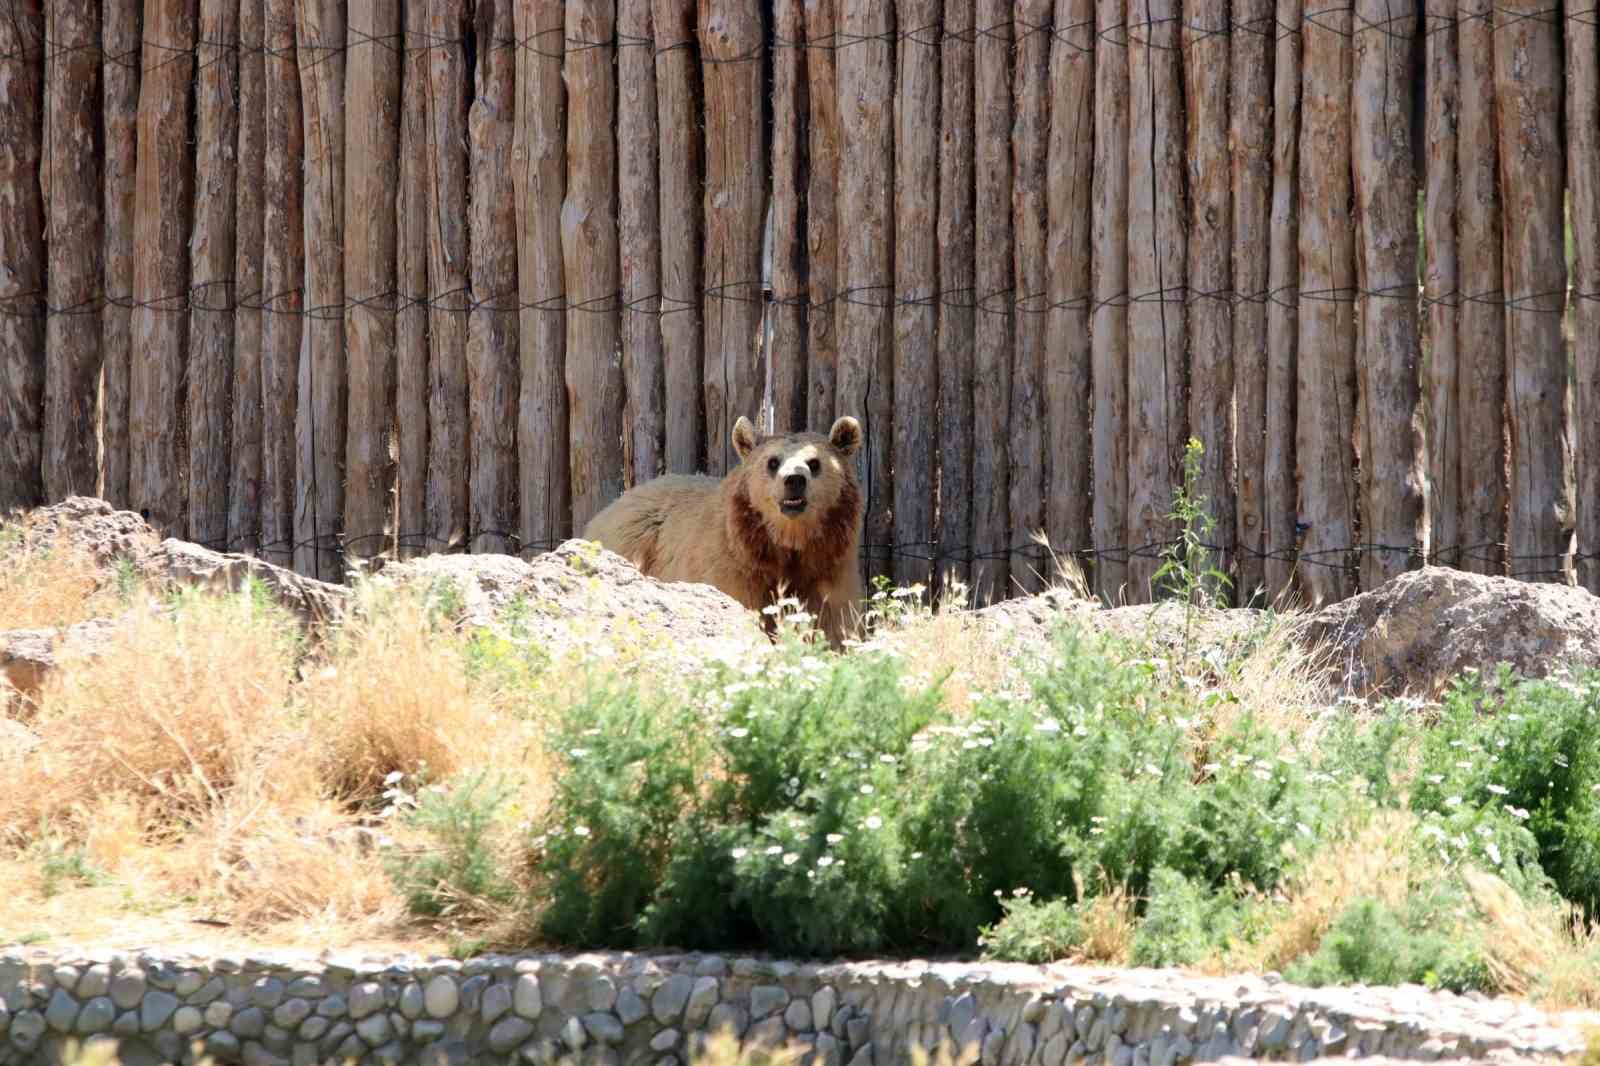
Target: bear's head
{"x": 802, "y": 486}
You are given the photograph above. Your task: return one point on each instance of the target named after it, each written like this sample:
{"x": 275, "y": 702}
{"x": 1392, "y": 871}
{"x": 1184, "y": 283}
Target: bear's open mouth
{"x": 795, "y": 505}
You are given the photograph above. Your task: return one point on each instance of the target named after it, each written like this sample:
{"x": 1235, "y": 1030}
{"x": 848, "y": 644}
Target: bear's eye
{"x": 772, "y": 465}
{"x": 816, "y": 467}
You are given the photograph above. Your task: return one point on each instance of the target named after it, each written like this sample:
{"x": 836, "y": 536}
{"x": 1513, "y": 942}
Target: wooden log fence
{"x": 323, "y": 280}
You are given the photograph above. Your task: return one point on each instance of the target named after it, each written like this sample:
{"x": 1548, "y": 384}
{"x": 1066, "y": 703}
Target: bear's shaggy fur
{"x": 785, "y": 522}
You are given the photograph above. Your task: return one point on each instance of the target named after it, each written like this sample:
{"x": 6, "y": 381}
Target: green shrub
{"x": 1033, "y": 930}
{"x": 1370, "y": 943}
{"x": 462, "y": 865}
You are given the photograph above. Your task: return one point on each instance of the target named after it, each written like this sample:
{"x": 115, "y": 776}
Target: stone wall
{"x": 635, "y": 1010}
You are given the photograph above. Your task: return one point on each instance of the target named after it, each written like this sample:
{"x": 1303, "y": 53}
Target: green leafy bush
{"x": 1371, "y": 943}
{"x": 462, "y": 865}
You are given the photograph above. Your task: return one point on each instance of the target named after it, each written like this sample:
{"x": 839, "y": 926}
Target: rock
{"x": 1417, "y": 632}
{"x": 188, "y": 1020}
{"x": 574, "y": 1034}
{"x": 210, "y": 991}
{"x": 266, "y": 993}
{"x": 411, "y": 1003}
{"x": 314, "y": 1028}
{"x": 766, "y": 999}
{"x": 665, "y": 1040}
{"x": 249, "y": 1023}
{"x": 97, "y": 1016}
{"x": 472, "y": 992}
{"x": 223, "y": 1045}
{"x": 334, "y": 1006}
{"x": 728, "y": 1016}
{"x": 308, "y": 987}
{"x": 374, "y": 1029}
{"x": 630, "y": 1007}
{"x": 219, "y": 1014}
{"x": 177, "y": 562}
{"x": 156, "y": 1009}
{"x": 128, "y": 988}
{"x": 96, "y": 980}
{"x": 601, "y": 994}
{"x": 496, "y": 1001}
{"x": 670, "y": 999}
{"x": 62, "y": 1011}
{"x": 798, "y": 1016}
{"x": 525, "y": 997}
{"x": 701, "y": 1000}
{"x": 823, "y": 1003}
{"x": 290, "y": 1013}
{"x": 27, "y": 1028}
{"x": 427, "y": 1031}
{"x": 441, "y": 997}
{"x": 769, "y": 1034}
{"x": 603, "y": 1028}
{"x": 365, "y": 999}
{"x": 962, "y": 1011}
{"x": 127, "y": 1024}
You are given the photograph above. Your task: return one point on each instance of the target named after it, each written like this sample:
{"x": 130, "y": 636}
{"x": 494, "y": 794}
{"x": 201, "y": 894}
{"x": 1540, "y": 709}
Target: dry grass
{"x": 1107, "y": 923}
{"x": 46, "y": 584}
{"x": 1546, "y": 953}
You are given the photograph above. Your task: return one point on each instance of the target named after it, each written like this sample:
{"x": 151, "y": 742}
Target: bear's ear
{"x": 744, "y": 438}
{"x": 845, "y": 435}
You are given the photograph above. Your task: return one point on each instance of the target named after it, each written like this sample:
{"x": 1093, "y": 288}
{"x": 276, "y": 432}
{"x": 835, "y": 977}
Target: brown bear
{"x": 785, "y": 522}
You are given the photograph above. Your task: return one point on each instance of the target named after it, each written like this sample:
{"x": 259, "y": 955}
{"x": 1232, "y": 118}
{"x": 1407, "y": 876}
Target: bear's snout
{"x": 794, "y": 494}
{"x": 795, "y": 484}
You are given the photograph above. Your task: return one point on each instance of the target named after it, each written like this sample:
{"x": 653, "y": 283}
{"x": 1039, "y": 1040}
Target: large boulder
{"x": 1414, "y": 634}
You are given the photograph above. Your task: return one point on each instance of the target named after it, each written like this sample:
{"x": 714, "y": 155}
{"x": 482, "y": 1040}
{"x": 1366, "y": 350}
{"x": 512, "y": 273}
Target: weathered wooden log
{"x": 283, "y": 274}
{"x": 678, "y": 110}
{"x": 244, "y": 472}
{"x": 916, "y": 273}
{"x": 320, "y": 416}
{"x": 165, "y": 176}
{"x": 1157, "y": 268}
{"x": 735, "y": 208}
{"x": 956, "y": 249}
{"x": 992, "y": 537}
{"x": 822, "y": 211}
{"x": 1206, "y": 71}
{"x": 372, "y": 170}
{"x": 449, "y": 444}
{"x": 1583, "y": 181}
{"x": 639, "y": 208}
{"x": 590, "y": 254}
{"x": 1441, "y": 286}
{"x": 1250, "y": 130}
{"x": 1067, "y": 382}
{"x": 71, "y": 460}
{"x": 1386, "y": 273}
{"x": 539, "y": 148}
{"x": 22, "y": 353}
{"x": 492, "y": 355}
{"x": 411, "y": 282}
{"x": 1324, "y": 446}
{"x": 1030, "y": 271}
{"x": 119, "y": 95}
{"x": 1527, "y": 92}
{"x": 1280, "y": 490}
{"x": 1109, "y": 324}
{"x": 1481, "y": 321}
{"x": 786, "y": 359}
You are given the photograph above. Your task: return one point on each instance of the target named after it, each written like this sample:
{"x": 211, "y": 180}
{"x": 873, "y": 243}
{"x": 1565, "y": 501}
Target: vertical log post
{"x": 640, "y": 211}
{"x": 866, "y": 231}
{"x": 1327, "y": 389}
{"x": 787, "y": 358}
{"x": 1583, "y": 179}
{"x": 1441, "y": 288}
{"x": 320, "y": 417}
{"x": 916, "y": 273}
{"x": 1157, "y": 253}
{"x": 1481, "y": 322}
{"x": 1029, "y": 146}
{"x": 956, "y": 248}
{"x": 1386, "y": 274}
{"x": 214, "y": 295}
{"x": 71, "y": 461}
{"x": 991, "y": 372}
{"x": 449, "y": 444}
{"x": 1109, "y": 324}
{"x": 411, "y": 283}
{"x": 539, "y": 151}
{"x": 1527, "y": 88}
{"x": 822, "y": 212}
{"x": 283, "y": 274}
{"x": 1250, "y": 131}
{"x": 244, "y": 473}
{"x": 372, "y": 139}
{"x": 1280, "y": 495}
{"x": 1210, "y": 273}
{"x": 119, "y": 94}
{"x": 1067, "y": 382}
{"x": 492, "y": 356}
{"x": 589, "y": 251}
{"x": 678, "y": 117}
{"x": 735, "y": 208}
{"x": 22, "y": 364}
{"x": 161, "y": 268}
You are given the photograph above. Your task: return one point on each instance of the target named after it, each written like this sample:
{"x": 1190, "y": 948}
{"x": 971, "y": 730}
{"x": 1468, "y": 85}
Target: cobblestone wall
{"x": 632, "y": 1010}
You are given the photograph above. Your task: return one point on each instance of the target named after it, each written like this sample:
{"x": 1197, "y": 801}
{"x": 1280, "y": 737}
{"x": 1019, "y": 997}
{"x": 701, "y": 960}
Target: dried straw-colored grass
{"x": 47, "y": 584}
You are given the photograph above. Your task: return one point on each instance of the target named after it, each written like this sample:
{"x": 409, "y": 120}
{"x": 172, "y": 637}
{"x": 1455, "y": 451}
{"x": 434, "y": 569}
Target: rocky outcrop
{"x": 1415, "y": 633}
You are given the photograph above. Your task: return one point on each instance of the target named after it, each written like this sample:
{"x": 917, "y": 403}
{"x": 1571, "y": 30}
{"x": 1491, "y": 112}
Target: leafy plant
{"x": 1186, "y": 568}
{"x": 461, "y": 867}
